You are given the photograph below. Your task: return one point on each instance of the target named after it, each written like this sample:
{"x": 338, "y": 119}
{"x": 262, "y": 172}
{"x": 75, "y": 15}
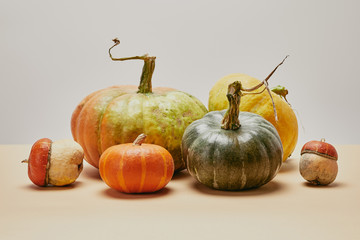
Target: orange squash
{"x": 136, "y": 167}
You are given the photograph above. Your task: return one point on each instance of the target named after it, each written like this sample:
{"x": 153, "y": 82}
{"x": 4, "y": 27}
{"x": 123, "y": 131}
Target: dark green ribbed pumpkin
{"x": 228, "y": 150}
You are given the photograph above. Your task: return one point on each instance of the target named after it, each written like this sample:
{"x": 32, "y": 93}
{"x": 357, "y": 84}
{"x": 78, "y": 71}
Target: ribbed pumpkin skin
{"x": 232, "y": 159}
{"x": 261, "y": 104}
{"x": 136, "y": 169}
{"x": 118, "y": 114}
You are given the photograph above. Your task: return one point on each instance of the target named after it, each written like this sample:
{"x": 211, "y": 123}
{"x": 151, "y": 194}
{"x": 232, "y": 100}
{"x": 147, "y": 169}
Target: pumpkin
{"x": 318, "y": 162}
{"x": 286, "y": 124}
{"x": 232, "y": 150}
{"x": 136, "y": 167}
{"x": 57, "y": 163}
{"x": 119, "y": 114}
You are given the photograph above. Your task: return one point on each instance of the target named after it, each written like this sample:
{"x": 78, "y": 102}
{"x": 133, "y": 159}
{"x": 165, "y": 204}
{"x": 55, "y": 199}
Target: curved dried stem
{"x": 272, "y": 100}
{"x": 253, "y": 93}
{"x": 265, "y": 83}
{"x": 266, "y": 79}
{"x": 148, "y": 68}
{"x": 231, "y": 117}
{"x": 117, "y": 42}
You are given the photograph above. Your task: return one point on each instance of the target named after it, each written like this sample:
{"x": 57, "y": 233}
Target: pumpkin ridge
{"x": 212, "y": 148}
{"x": 80, "y": 126}
{"x": 104, "y": 172}
{"x": 223, "y": 156}
{"x": 162, "y": 180}
{"x": 99, "y": 125}
{"x": 189, "y": 147}
{"x": 271, "y": 144}
{"x": 120, "y": 175}
{"x": 215, "y": 184}
{"x": 267, "y": 168}
{"x": 76, "y": 114}
{"x": 106, "y": 111}
{"x": 243, "y": 175}
{"x": 143, "y": 169}
{"x": 98, "y": 130}
{"x": 242, "y": 142}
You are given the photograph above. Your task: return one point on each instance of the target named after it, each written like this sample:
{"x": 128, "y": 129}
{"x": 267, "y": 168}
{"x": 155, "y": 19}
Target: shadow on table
{"x": 268, "y": 188}
{"x": 54, "y": 188}
{"x": 291, "y": 164}
{"x": 180, "y": 175}
{"x": 332, "y": 185}
{"x": 119, "y": 195}
{"x": 91, "y": 172}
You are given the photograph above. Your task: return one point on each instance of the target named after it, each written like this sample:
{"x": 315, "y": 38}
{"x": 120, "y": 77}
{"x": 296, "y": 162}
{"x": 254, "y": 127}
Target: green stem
{"x": 147, "y": 71}
{"x": 231, "y": 117}
{"x": 139, "y": 140}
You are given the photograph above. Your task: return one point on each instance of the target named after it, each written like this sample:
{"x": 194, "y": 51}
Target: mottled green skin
{"x": 232, "y": 159}
{"x": 162, "y": 116}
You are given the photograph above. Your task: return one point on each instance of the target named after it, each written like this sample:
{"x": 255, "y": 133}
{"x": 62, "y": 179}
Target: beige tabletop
{"x": 285, "y": 208}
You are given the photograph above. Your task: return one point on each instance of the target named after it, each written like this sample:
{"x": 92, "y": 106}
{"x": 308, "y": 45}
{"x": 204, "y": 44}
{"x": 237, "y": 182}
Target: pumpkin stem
{"x": 147, "y": 71}
{"x": 139, "y": 140}
{"x": 265, "y": 83}
{"x": 282, "y": 92}
{"x": 231, "y": 117}
{"x": 25, "y": 161}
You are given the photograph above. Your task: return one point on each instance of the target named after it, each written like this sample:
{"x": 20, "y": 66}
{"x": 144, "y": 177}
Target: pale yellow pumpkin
{"x": 286, "y": 125}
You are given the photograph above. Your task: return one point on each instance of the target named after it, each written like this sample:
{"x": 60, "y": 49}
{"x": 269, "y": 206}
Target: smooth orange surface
{"x": 135, "y": 169}
{"x": 285, "y": 208}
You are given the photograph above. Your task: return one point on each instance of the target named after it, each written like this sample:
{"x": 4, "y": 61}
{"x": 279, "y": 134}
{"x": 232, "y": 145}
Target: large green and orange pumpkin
{"x": 118, "y": 114}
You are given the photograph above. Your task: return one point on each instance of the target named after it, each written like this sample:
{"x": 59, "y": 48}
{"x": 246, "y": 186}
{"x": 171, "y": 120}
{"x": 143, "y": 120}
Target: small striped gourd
{"x": 136, "y": 167}
{"x": 228, "y": 150}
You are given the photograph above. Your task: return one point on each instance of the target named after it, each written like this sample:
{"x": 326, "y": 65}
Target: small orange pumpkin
{"x": 136, "y": 167}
